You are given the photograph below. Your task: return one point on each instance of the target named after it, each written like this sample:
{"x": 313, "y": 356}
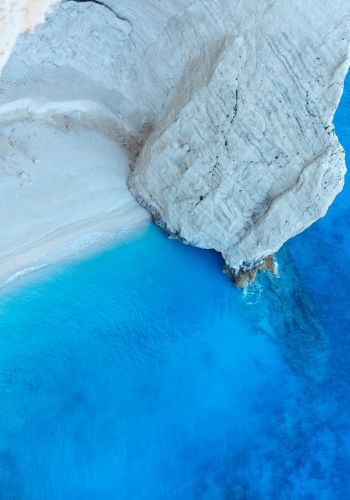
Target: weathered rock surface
{"x": 246, "y": 156}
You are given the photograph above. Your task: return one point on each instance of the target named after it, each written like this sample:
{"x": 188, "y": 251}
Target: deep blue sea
{"x": 143, "y": 374}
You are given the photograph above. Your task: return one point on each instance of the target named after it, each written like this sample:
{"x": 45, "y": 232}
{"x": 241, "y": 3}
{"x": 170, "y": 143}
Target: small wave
{"x": 23, "y": 272}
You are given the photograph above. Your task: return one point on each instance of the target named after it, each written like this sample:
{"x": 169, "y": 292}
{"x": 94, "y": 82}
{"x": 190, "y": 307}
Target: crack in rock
{"x": 102, "y": 4}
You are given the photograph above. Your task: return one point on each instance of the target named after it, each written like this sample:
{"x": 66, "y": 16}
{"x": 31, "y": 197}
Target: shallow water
{"x": 143, "y": 374}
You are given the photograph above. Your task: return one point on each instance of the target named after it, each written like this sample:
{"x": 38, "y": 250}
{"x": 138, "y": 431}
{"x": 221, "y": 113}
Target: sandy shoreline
{"x": 76, "y": 241}
{"x": 63, "y": 191}
{"x": 67, "y": 109}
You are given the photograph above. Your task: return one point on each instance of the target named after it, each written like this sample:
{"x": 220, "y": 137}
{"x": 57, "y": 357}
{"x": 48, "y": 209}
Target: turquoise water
{"x": 143, "y": 374}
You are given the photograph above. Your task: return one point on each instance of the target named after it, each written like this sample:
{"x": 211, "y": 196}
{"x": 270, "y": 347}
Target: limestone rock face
{"x": 17, "y": 16}
{"x": 245, "y": 156}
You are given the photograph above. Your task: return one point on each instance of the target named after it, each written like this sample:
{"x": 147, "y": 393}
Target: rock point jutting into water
{"x": 224, "y": 109}
{"x": 246, "y": 155}
{"x": 243, "y": 277}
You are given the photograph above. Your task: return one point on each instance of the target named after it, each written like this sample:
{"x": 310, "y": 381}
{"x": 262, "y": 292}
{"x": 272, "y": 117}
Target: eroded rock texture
{"x": 246, "y": 156}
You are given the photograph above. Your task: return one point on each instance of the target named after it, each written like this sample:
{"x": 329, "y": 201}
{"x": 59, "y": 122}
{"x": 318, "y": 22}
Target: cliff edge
{"x": 246, "y": 155}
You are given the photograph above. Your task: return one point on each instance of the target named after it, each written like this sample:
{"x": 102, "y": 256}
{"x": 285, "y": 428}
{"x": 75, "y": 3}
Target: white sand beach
{"x": 63, "y": 129}
{"x": 63, "y": 188}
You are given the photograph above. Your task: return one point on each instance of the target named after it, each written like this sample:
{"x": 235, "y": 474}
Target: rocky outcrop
{"x": 246, "y": 155}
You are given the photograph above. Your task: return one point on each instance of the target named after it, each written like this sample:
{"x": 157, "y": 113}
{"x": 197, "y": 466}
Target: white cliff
{"x": 223, "y": 108}
{"x": 246, "y": 156}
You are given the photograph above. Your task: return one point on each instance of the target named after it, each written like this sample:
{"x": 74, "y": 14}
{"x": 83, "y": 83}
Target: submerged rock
{"x": 288, "y": 314}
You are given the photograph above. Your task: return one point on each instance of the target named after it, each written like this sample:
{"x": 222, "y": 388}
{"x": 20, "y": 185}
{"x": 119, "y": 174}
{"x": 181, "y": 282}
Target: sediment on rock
{"x": 246, "y": 275}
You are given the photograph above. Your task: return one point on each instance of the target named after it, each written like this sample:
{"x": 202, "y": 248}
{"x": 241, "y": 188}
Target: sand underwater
{"x": 142, "y": 373}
